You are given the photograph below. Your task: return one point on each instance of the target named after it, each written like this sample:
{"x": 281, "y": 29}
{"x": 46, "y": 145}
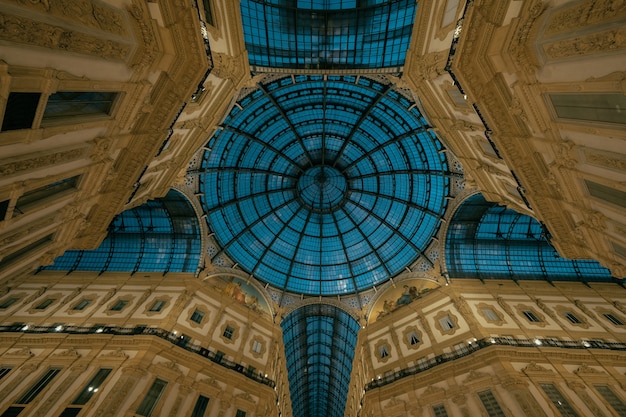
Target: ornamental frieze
{"x": 27, "y": 31}
{"x": 89, "y": 13}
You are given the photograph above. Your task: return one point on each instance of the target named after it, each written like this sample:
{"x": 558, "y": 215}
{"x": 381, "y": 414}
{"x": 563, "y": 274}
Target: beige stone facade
{"x": 491, "y": 84}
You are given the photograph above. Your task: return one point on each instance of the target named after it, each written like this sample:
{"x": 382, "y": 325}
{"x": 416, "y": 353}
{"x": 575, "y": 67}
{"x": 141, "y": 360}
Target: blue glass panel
{"x": 313, "y": 185}
{"x": 490, "y": 242}
{"x": 162, "y": 235}
{"x": 319, "y": 349}
{"x": 327, "y": 34}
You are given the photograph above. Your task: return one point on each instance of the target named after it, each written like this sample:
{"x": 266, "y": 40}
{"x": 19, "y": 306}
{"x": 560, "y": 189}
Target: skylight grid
{"x": 490, "y": 242}
{"x": 159, "y": 236}
{"x": 287, "y": 193}
{"x": 307, "y": 35}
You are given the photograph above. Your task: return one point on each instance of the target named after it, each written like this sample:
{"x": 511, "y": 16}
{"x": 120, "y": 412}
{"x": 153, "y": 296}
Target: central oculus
{"x": 322, "y": 188}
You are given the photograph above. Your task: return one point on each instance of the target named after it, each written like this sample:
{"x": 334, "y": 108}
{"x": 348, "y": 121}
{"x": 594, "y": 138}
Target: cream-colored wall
{"x": 505, "y": 370}
{"x": 143, "y": 356}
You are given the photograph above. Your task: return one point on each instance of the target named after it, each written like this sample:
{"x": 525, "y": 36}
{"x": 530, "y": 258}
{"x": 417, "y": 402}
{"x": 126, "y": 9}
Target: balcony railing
{"x": 171, "y": 337}
{"x": 487, "y": 342}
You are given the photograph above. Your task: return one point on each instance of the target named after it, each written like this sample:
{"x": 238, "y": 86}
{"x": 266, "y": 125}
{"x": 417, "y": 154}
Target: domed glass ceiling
{"x": 324, "y": 185}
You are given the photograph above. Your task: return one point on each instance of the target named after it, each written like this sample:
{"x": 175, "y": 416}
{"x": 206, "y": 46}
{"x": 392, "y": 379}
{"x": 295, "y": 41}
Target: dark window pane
{"x": 559, "y": 401}
{"x": 4, "y": 205}
{"x": 200, "y": 407}
{"x": 38, "y": 386}
{"x": 66, "y": 104}
{"x": 12, "y": 412}
{"x": 591, "y": 107}
{"x": 152, "y": 397}
{"x": 70, "y": 412}
{"x": 20, "y": 111}
{"x": 4, "y": 371}
{"x": 608, "y": 194}
{"x": 92, "y": 387}
{"x": 8, "y": 302}
{"x": 31, "y": 197}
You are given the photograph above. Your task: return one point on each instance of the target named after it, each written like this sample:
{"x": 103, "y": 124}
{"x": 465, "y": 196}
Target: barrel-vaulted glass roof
{"x": 324, "y": 185}
{"x": 162, "y": 235}
{"x": 327, "y": 34}
{"x": 488, "y": 241}
{"x": 319, "y": 348}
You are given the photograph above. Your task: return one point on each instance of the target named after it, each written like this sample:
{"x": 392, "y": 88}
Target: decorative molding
{"x": 40, "y": 162}
{"x": 22, "y": 30}
{"x": 532, "y": 369}
{"x": 586, "y": 369}
{"x": 584, "y": 13}
{"x": 20, "y": 353}
{"x": 596, "y": 43}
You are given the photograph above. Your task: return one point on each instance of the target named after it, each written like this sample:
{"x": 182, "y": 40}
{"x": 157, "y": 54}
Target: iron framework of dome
{"x": 324, "y": 185}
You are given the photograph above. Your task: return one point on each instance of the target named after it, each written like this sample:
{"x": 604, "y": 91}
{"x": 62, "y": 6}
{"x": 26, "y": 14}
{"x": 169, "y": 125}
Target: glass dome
{"x": 324, "y": 185}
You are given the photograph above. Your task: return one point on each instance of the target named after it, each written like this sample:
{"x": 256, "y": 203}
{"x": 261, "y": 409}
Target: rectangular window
{"x": 4, "y": 205}
{"x": 200, "y": 408}
{"x": 30, "y": 198}
{"x": 92, "y": 386}
{"x": 119, "y": 305}
{"x": 82, "y": 304}
{"x": 613, "y": 319}
{"x": 530, "y": 315}
{"x": 66, "y": 105}
{"x": 490, "y": 315}
{"x": 383, "y": 351}
{"x": 559, "y": 401}
{"x": 197, "y": 316}
{"x": 20, "y": 111}
{"x": 412, "y": 338}
{"x": 608, "y": 194}
{"x": 572, "y": 317}
{"x": 45, "y": 304}
{"x": 38, "y": 386}
{"x": 440, "y": 410}
{"x": 152, "y": 398}
{"x": 12, "y": 411}
{"x": 593, "y": 107}
{"x": 228, "y": 332}
{"x": 25, "y": 251}
{"x": 612, "y": 398}
{"x": 240, "y": 413}
{"x": 446, "y": 323}
{"x": 257, "y": 347}
{"x": 8, "y": 302}
{"x": 207, "y": 11}
{"x": 157, "y": 305}
{"x": 70, "y": 412}
{"x": 491, "y": 404}
{"x": 4, "y": 371}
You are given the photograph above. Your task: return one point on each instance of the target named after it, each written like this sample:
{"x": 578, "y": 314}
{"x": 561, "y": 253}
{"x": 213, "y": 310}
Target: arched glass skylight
{"x": 488, "y": 241}
{"x": 319, "y": 348}
{"x": 327, "y": 34}
{"x": 324, "y": 186}
{"x": 162, "y": 235}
